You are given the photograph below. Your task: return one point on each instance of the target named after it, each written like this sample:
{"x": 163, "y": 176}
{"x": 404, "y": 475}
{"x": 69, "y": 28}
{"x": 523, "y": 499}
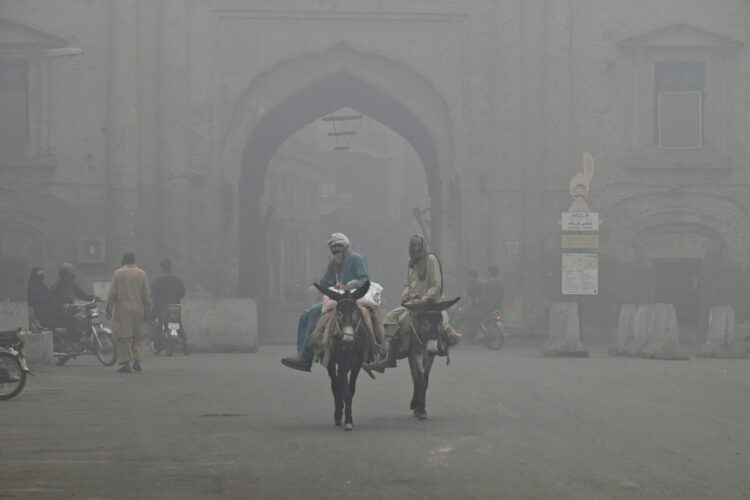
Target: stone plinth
{"x": 38, "y": 347}
{"x": 564, "y": 332}
{"x": 663, "y": 339}
{"x": 625, "y": 330}
{"x": 221, "y": 325}
{"x": 721, "y": 338}
{"x": 639, "y": 338}
{"x": 13, "y": 315}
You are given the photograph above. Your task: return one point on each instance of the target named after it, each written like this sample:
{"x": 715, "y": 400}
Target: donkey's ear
{"x": 361, "y": 291}
{"x": 442, "y": 306}
{"x": 328, "y": 293}
{"x": 411, "y": 306}
{"x": 417, "y": 305}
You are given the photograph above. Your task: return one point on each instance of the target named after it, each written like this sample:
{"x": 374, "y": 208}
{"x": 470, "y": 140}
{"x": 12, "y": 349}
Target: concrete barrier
{"x": 13, "y": 315}
{"x": 221, "y": 325}
{"x": 625, "y": 330}
{"x": 564, "y": 332}
{"x": 721, "y": 339}
{"x": 663, "y": 339}
{"x": 38, "y": 347}
{"x": 640, "y": 330}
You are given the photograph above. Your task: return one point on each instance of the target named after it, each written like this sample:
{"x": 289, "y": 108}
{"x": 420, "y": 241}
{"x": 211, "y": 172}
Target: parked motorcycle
{"x": 13, "y": 367}
{"x": 168, "y": 333}
{"x": 488, "y": 331}
{"x": 95, "y": 338}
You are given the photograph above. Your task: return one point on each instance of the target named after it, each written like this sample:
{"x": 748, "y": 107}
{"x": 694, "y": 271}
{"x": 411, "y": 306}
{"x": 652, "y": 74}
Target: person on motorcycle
{"x": 167, "y": 289}
{"x": 473, "y": 289}
{"x": 346, "y": 270}
{"x": 424, "y": 281}
{"x": 492, "y": 291}
{"x": 489, "y": 298}
{"x": 66, "y": 290}
{"x": 48, "y": 311}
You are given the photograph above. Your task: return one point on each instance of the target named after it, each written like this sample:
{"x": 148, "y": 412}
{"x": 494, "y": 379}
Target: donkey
{"x": 347, "y": 350}
{"x": 425, "y": 335}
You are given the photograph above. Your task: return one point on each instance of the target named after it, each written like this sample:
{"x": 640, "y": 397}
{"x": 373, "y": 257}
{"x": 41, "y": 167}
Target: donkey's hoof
{"x": 348, "y": 426}
{"x": 420, "y": 415}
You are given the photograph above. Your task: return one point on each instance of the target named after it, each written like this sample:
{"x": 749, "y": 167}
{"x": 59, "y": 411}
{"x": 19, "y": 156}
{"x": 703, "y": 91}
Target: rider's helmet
{"x": 66, "y": 272}
{"x": 166, "y": 266}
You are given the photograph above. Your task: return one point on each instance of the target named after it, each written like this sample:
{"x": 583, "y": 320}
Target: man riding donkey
{"x": 347, "y": 270}
{"x": 424, "y": 282}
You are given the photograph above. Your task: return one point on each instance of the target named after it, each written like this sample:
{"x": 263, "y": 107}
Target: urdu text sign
{"x": 580, "y": 221}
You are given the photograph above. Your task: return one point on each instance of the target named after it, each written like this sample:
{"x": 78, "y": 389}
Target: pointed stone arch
{"x": 294, "y": 93}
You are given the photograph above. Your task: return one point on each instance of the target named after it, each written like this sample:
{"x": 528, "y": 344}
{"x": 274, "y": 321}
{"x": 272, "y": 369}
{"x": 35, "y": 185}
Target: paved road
{"x": 509, "y": 424}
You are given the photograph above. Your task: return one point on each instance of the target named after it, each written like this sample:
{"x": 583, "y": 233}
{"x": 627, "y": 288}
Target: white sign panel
{"x": 580, "y": 221}
{"x": 580, "y": 274}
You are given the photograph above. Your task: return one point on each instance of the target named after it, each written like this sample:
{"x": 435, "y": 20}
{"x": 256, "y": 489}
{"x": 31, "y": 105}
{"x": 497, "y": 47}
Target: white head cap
{"x": 338, "y": 239}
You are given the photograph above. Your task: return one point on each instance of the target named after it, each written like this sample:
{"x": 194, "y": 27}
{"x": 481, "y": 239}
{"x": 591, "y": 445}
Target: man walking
{"x": 129, "y": 298}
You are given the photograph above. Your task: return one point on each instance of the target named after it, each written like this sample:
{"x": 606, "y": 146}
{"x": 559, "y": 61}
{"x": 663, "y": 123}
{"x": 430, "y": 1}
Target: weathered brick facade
{"x": 156, "y": 136}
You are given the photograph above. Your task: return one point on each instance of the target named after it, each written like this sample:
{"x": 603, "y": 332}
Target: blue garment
{"x": 353, "y": 268}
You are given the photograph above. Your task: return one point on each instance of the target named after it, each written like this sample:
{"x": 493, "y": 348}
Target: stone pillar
{"x": 122, "y": 199}
{"x": 149, "y": 216}
{"x": 174, "y": 189}
{"x": 533, "y": 141}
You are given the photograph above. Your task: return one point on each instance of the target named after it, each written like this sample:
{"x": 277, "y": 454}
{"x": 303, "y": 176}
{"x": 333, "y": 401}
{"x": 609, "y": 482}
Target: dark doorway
{"x": 677, "y": 282}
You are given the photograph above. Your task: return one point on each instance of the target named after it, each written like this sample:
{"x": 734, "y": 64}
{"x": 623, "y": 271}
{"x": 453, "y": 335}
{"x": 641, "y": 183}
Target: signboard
{"x": 92, "y": 250}
{"x": 580, "y": 221}
{"x": 580, "y": 274}
{"x": 580, "y": 241}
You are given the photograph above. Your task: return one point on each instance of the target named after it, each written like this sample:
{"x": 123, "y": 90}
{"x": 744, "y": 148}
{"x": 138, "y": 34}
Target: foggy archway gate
{"x": 323, "y": 97}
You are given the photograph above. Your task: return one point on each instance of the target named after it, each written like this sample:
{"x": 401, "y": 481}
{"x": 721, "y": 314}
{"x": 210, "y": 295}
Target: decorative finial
{"x": 579, "y": 185}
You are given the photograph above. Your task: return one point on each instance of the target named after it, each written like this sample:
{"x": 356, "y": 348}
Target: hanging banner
{"x": 580, "y": 274}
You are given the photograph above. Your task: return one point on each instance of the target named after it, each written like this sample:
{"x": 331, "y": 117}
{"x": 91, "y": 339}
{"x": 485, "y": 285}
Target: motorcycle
{"x": 95, "y": 337}
{"x": 13, "y": 367}
{"x": 488, "y": 332}
{"x": 167, "y": 332}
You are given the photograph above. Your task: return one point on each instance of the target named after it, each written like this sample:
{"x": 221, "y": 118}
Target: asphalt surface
{"x": 509, "y": 424}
